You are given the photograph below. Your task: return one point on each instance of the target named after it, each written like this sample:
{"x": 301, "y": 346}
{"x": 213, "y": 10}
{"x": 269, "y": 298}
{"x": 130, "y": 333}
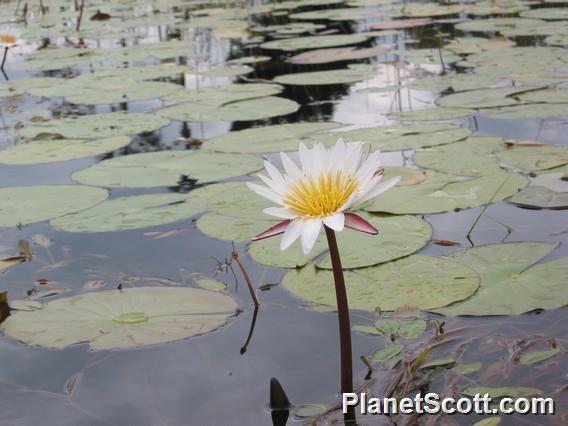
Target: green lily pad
{"x": 412, "y": 328}
{"x": 546, "y": 96}
{"x": 440, "y": 362}
{"x": 29, "y": 204}
{"x": 366, "y": 329}
{"x": 535, "y": 158}
{"x": 441, "y": 193}
{"x": 313, "y": 42}
{"x": 532, "y": 111}
{"x": 502, "y": 25}
{"x": 494, "y": 393}
{"x": 549, "y": 13}
{"x": 399, "y": 236}
{"x": 276, "y": 138}
{"x": 510, "y": 285}
{"x": 54, "y": 150}
{"x": 326, "y": 56}
{"x": 23, "y": 85}
{"x": 539, "y": 197}
{"x": 215, "y": 97}
{"x": 537, "y": 356}
{"x": 428, "y": 56}
{"x": 227, "y": 71}
{"x": 134, "y": 212}
{"x": 482, "y": 98}
{"x": 388, "y": 352}
{"x": 434, "y": 114}
{"x": 469, "y": 368}
{"x": 457, "y": 82}
{"x": 289, "y": 29}
{"x": 120, "y": 319}
{"x": 398, "y": 137}
{"x": 98, "y": 125}
{"x": 231, "y": 228}
{"x": 471, "y": 157}
{"x": 210, "y": 284}
{"x": 421, "y": 282}
{"x": 319, "y": 78}
{"x": 247, "y": 110}
{"x": 165, "y": 168}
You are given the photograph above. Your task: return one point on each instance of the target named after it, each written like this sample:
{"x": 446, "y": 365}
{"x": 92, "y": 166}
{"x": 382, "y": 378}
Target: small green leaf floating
{"x": 537, "y": 356}
{"x": 412, "y": 328}
{"x": 469, "y": 368}
{"x": 491, "y": 421}
{"x": 440, "y": 362}
{"x": 513, "y": 391}
{"x": 311, "y": 410}
{"x": 119, "y": 319}
{"x": 28, "y": 204}
{"x": 388, "y": 352}
{"x": 387, "y": 326}
{"x": 367, "y": 329}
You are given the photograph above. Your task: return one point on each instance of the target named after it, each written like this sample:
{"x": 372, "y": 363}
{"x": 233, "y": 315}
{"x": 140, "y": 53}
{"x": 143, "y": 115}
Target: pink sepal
{"x": 274, "y": 230}
{"x": 357, "y": 223}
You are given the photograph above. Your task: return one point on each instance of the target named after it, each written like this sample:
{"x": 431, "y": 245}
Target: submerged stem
{"x": 4, "y": 58}
{"x": 342, "y": 314}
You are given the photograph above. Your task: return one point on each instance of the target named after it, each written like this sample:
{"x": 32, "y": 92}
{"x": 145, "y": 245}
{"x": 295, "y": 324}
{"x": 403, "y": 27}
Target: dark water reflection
{"x": 206, "y": 380}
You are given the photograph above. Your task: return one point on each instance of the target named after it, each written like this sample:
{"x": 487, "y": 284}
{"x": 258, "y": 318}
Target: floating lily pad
{"x": 54, "y": 150}
{"x": 428, "y": 56}
{"x": 289, "y": 29}
{"x": 276, "y": 138}
{"x": 227, "y": 71}
{"x": 439, "y": 362}
{"x": 546, "y": 96}
{"x": 326, "y": 56}
{"x": 549, "y": 13}
{"x": 457, "y": 82}
{"x": 398, "y": 236}
{"x": 29, "y": 204}
{"x": 98, "y": 125}
{"x": 537, "y": 356}
{"x": 215, "y": 97}
{"x": 134, "y": 212}
{"x": 23, "y": 85}
{"x": 441, "y": 193}
{"x": 482, "y": 98}
{"x": 318, "y": 78}
{"x": 313, "y": 42}
{"x": 412, "y": 328}
{"x": 510, "y": 285}
{"x": 231, "y": 228}
{"x": 421, "y": 282}
{"x": 399, "y": 137}
{"x": 471, "y": 157}
{"x": 165, "y": 168}
{"x": 539, "y": 197}
{"x": 535, "y": 158}
{"x": 117, "y": 319}
{"x": 532, "y": 111}
{"x": 247, "y": 110}
{"x": 502, "y": 25}
{"x": 311, "y": 410}
{"x": 434, "y": 114}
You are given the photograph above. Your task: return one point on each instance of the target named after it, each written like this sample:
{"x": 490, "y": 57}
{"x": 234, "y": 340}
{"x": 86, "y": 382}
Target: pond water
{"x": 508, "y": 57}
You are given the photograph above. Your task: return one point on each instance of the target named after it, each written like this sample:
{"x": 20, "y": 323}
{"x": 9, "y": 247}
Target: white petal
{"x": 281, "y": 212}
{"x": 265, "y": 192}
{"x": 380, "y": 188}
{"x": 335, "y": 222}
{"x": 293, "y": 173}
{"x": 305, "y": 157}
{"x": 337, "y": 158}
{"x": 291, "y": 234}
{"x": 310, "y": 232}
{"x": 274, "y": 173}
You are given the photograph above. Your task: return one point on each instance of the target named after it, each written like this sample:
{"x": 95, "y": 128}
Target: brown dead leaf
{"x": 510, "y": 143}
{"x": 100, "y": 16}
{"x": 10, "y": 261}
{"x": 25, "y": 249}
{"x": 445, "y": 243}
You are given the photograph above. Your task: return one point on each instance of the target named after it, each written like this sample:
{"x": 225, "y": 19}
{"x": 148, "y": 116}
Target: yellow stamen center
{"x": 321, "y": 197}
{"x": 8, "y": 39}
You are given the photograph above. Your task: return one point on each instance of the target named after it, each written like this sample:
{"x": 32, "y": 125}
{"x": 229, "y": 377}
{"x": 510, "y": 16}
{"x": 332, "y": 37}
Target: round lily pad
{"x": 313, "y": 42}
{"x": 471, "y": 157}
{"x": 247, "y": 110}
{"x": 421, "y": 282}
{"x": 326, "y": 56}
{"x": 29, "y": 204}
{"x": 166, "y": 167}
{"x": 398, "y": 137}
{"x": 96, "y": 126}
{"x": 134, "y": 212}
{"x": 399, "y": 236}
{"x": 318, "y": 78}
{"x": 549, "y": 13}
{"x": 276, "y": 138}
{"x": 434, "y": 114}
{"x": 441, "y": 193}
{"x": 231, "y": 228}
{"x": 535, "y": 158}
{"x": 54, "y": 150}
{"x": 482, "y": 98}
{"x": 531, "y": 111}
{"x": 510, "y": 285}
{"x": 118, "y": 319}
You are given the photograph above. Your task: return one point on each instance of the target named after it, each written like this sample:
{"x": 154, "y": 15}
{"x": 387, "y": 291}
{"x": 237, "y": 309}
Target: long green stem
{"x": 342, "y": 314}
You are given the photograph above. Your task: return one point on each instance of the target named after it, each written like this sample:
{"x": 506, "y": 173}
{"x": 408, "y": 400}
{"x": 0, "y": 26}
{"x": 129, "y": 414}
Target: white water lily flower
{"x": 329, "y": 183}
{"x": 9, "y": 40}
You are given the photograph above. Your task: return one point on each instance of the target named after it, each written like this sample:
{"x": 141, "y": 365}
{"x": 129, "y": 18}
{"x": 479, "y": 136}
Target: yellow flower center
{"x": 8, "y": 39}
{"x": 321, "y": 197}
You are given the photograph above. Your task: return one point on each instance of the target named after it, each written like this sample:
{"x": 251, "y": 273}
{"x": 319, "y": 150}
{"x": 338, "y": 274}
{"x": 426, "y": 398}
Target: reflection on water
{"x": 223, "y": 378}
